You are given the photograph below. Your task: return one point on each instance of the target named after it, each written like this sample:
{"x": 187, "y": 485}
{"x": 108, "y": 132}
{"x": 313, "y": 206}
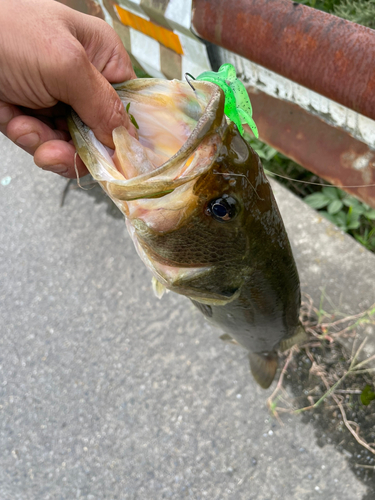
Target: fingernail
{"x": 6, "y": 114}
{"x": 28, "y": 140}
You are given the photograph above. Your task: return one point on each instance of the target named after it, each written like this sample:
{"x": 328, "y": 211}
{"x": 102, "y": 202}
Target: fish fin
{"x": 227, "y": 338}
{"x": 299, "y": 336}
{"x": 212, "y": 299}
{"x": 158, "y": 288}
{"x": 205, "y": 309}
{"x": 263, "y": 368}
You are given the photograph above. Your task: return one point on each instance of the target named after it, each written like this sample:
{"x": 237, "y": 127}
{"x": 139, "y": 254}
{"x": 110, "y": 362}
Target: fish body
{"x": 201, "y": 213}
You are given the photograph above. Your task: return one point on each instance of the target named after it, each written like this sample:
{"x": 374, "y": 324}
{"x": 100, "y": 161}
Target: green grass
{"x": 326, "y": 5}
{"x": 140, "y": 73}
{"x": 358, "y": 11}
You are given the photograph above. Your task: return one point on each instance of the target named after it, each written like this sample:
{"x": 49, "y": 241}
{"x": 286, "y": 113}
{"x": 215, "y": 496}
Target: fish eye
{"x": 222, "y": 209}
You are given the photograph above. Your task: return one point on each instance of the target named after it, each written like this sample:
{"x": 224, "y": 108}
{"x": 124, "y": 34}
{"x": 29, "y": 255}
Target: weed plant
{"x": 326, "y": 5}
{"x": 358, "y": 11}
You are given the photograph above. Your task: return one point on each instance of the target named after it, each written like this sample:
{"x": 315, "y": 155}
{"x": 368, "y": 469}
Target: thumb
{"x": 95, "y": 101}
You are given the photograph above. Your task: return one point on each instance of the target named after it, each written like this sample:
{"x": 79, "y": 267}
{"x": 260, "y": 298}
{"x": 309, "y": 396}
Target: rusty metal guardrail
{"x": 322, "y": 52}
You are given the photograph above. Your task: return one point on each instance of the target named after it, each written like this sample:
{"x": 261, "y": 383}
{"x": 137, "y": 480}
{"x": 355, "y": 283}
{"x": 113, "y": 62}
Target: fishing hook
{"x": 186, "y": 78}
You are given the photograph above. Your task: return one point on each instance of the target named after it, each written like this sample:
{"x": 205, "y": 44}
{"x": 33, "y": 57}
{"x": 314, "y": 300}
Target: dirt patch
{"x": 329, "y": 384}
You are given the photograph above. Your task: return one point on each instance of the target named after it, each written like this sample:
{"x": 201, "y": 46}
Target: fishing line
{"x": 76, "y": 169}
{"x": 69, "y": 183}
{"x": 77, "y": 174}
{"x": 316, "y": 183}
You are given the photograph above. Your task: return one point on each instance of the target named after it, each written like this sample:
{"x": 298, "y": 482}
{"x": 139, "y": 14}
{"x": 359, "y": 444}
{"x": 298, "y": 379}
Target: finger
{"x": 29, "y": 133}
{"x": 89, "y": 93}
{"x": 105, "y": 51}
{"x": 119, "y": 67}
{"x": 59, "y": 157}
{"x": 98, "y": 105}
{"x": 7, "y": 113}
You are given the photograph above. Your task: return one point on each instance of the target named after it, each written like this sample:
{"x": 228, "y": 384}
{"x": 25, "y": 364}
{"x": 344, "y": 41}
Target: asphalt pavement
{"x": 108, "y": 393}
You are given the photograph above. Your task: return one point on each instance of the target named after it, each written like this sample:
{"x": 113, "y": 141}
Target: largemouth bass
{"x": 201, "y": 213}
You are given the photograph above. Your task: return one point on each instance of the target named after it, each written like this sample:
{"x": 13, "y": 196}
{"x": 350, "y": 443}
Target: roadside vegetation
{"x": 322, "y": 376}
{"x": 345, "y": 211}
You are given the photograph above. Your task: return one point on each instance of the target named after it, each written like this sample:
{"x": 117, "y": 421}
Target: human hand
{"x": 52, "y": 56}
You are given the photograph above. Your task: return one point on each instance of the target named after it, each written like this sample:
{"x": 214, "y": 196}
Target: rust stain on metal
{"x": 321, "y": 148}
{"x": 329, "y": 55}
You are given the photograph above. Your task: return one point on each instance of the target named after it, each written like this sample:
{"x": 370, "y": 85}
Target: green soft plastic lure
{"x": 237, "y": 103}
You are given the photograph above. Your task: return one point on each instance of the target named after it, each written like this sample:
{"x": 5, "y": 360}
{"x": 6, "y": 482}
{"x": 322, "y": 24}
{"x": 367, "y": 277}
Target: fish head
{"x": 199, "y": 239}
{"x": 190, "y": 187}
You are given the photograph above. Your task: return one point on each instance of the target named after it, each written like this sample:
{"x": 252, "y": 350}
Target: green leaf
{"x": 353, "y": 225}
{"x": 350, "y": 201}
{"x": 360, "y": 210}
{"x": 335, "y": 206}
{"x": 370, "y": 214}
{"x": 131, "y": 117}
{"x": 331, "y": 193}
{"x": 352, "y": 217}
{"x": 263, "y": 150}
{"x": 355, "y": 207}
{"x": 329, "y": 217}
{"x": 140, "y": 73}
{"x": 367, "y": 395}
{"x": 260, "y": 153}
{"x": 266, "y": 154}
{"x": 270, "y": 153}
{"x": 338, "y": 219}
{"x": 134, "y": 121}
{"x": 360, "y": 239}
{"x": 341, "y": 220}
{"x": 317, "y": 200}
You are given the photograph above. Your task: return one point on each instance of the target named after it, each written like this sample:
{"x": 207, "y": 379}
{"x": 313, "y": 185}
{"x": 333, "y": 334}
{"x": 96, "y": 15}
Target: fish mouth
{"x": 199, "y": 146}
{"x": 152, "y": 178}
